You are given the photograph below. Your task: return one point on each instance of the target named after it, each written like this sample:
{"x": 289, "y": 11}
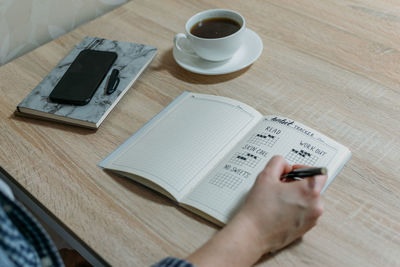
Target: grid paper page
{"x": 177, "y": 147}
{"x": 223, "y": 190}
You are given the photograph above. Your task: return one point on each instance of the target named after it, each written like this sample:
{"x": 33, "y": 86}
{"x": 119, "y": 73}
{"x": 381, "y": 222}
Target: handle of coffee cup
{"x": 181, "y": 42}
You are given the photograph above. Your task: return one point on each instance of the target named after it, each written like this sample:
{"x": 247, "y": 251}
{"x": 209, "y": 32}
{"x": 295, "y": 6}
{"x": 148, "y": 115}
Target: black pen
{"x": 299, "y": 174}
{"x": 113, "y": 82}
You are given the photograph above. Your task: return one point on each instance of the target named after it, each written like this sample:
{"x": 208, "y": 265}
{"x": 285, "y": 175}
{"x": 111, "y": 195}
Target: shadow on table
{"x": 270, "y": 256}
{"x": 168, "y": 63}
{"x": 154, "y": 196}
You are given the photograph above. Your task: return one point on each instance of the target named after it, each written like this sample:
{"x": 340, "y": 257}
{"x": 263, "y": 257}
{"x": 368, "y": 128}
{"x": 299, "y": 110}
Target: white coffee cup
{"x": 213, "y": 49}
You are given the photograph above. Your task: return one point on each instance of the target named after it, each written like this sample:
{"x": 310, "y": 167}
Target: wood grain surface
{"x": 332, "y": 65}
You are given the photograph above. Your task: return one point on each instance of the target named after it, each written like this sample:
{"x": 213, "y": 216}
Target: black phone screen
{"x": 83, "y": 77}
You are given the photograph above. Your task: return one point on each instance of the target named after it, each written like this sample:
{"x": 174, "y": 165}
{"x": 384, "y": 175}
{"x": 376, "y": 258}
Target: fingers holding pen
{"x": 275, "y": 168}
{"x": 310, "y": 190}
{"x": 311, "y": 179}
{"x": 306, "y": 192}
{"x": 280, "y": 212}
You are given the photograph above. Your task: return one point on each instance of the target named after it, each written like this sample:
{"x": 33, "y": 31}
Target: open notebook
{"x": 206, "y": 151}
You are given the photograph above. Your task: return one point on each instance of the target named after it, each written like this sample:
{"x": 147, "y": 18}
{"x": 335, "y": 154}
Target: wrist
{"x": 237, "y": 244}
{"x": 252, "y": 234}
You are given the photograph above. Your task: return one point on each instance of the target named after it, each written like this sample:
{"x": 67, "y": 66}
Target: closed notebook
{"x": 132, "y": 59}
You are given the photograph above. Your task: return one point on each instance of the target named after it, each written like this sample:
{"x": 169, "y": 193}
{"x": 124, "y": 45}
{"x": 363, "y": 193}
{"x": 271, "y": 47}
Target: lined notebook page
{"x": 178, "y": 147}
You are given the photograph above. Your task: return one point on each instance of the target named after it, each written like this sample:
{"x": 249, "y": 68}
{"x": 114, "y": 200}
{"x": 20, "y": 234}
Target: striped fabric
{"x": 23, "y": 241}
{"x": 173, "y": 262}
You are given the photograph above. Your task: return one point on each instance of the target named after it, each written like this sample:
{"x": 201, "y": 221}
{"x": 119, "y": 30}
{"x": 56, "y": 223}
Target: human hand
{"x": 274, "y": 214}
{"x": 281, "y": 212}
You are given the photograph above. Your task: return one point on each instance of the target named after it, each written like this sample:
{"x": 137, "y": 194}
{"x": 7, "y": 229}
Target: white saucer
{"x": 245, "y": 56}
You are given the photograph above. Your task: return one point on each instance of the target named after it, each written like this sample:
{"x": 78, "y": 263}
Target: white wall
{"x": 26, "y": 24}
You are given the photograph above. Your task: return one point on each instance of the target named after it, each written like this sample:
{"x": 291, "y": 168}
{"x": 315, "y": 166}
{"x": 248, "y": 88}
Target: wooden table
{"x": 333, "y": 65}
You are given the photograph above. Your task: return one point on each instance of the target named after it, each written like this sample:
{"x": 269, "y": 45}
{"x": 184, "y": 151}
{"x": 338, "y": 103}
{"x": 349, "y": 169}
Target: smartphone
{"x": 83, "y": 77}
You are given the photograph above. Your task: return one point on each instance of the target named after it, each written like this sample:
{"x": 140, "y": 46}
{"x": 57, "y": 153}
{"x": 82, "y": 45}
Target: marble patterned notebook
{"x": 131, "y": 61}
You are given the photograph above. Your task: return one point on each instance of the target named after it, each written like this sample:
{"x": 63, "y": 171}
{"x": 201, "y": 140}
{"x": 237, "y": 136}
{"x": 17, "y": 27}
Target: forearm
{"x": 235, "y": 245}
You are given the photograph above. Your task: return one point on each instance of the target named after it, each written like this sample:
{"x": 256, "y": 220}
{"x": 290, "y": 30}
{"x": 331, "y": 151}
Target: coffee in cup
{"x": 215, "y": 28}
{"x": 213, "y": 35}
